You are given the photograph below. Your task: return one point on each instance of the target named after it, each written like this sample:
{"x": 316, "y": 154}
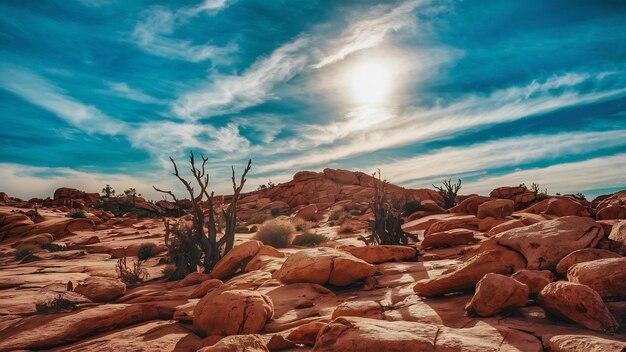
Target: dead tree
{"x": 198, "y": 245}
{"x": 448, "y": 192}
{"x": 387, "y": 224}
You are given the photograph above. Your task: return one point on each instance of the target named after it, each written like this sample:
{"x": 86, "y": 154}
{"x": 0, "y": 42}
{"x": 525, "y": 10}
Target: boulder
{"x": 581, "y": 256}
{"x": 496, "y": 293}
{"x": 456, "y": 222}
{"x": 611, "y": 207}
{"x": 498, "y": 260}
{"x": 308, "y": 213}
{"x": 366, "y": 335}
{"x": 363, "y": 309}
{"x": 545, "y": 243}
{"x": 505, "y": 226}
{"x": 470, "y": 205}
{"x": 205, "y": 287}
{"x": 519, "y": 194}
{"x": 39, "y": 239}
{"x": 324, "y": 266}
{"x": 559, "y": 206}
{"x": 488, "y": 223}
{"x": 238, "y": 343}
{"x": 101, "y": 289}
{"x": 617, "y": 238}
{"x": 450, "y": 238}
{"x": 498, "y": 209}
{"x": 306, "y": 334}
{"x": 536, "y": 280}
{"x": 430, "y": 206}
{"x": 605, "y": 276}
{"x": 578, "y": 303}
{"x": 382, "y": 254}
{"x": 585, "y": 343}
{"x": 233, "y": 312}
{"x": 236, "y": 259}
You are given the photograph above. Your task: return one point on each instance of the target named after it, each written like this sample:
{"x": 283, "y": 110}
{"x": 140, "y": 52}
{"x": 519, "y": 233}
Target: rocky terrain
{"x": 514, "y": 270}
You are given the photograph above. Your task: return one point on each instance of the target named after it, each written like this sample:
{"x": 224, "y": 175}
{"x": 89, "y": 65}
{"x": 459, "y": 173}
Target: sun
{"x": 370, "y": 83}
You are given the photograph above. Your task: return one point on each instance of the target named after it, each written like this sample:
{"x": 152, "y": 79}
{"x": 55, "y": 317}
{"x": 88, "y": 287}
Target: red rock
{"x": 520, "y": 195}
{"x": 306, "y": 334}
{"x": 499, "y": 208}
{"x": 234, "y": 260}
{"x": 101, "y": 289}
{"x": 585, "y": 343}
{"x": 470, "y": 205}
{"x": 536, "y": 280}
{"x": 605, "y": 276}
{"x": 324, "y": 266}
{"x": 612, "y": 207}
{"x": 544, "y": 244}
{"x": 64, "y": 196}
{"x": 308, "y": 213}
{"x": 449, "y": 238}
{"x": 193, "y": 279}
{"x": 459, "y": 222}
{"x": 581, "y": 256}
{"x": 238, "y": 343}
{"x": 382, "y": 254}
{"x": 363, "y": 309}
{"x": 617, "y": 238}
{"x": 233, "y": 312}
{"x": 431, "y": 206}
{"x": 488, "y": 223}
{"x": 496, "y": 293}
{"x": 204, "y": 288}
{"x": 559, "y": 206}
{"x": 499, "y": 260}
{"x": 578, "y": 303}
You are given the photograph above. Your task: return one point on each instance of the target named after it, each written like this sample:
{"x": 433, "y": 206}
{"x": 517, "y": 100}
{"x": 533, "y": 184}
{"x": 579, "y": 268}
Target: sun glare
{"x": 370, "y": 83}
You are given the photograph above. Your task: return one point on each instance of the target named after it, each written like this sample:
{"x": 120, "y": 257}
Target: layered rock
{"x": 585, "y": 343}
{"x": 382, "y": 254}
{"x": 448, "y": 238}
{"x": 611, "y": 207}
{"x": 605, "y": 276}
{"x": 520, "y": 195}
{"x": 617, "y": 238}
{"x": 498, "y": 209}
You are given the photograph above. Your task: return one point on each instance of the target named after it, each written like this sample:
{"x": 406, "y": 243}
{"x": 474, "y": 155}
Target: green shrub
{"x": 254, "y": 228}
{"x": 276, "y": 233}
{"x": 255, "y": 219}
{"x": 147, "y": 250}
{"x": 309, "y": 239}
{"x": 356, "y": 212}
{"x": 24, "y": 250}
{"x": 77, "y": 214}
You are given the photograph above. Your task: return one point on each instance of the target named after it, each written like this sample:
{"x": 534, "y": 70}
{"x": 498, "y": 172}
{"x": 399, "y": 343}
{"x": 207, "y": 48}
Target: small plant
{"x": 580, "y": 196}
{"x": 309, "y": 239}
{"x": 24, "y": 250}
{"x": 133, "y": 275}
{"x": 269, "y": 185}
{"x": 356, "y": 212}
{"x": 276, "y": 233}
{"x": 108, "y": 192}
{"x": 253, "y": 229}
{"x": 335, "y": 215}
{"x": 301, "y": 224}
{"x": 255, "y": 219}
{"x": 77, "y": 214}
{"x": 146, "y": 251}
{"x": 448, "y": 192}
{"x": 55, "y": 304}
{"x": 54, "y": 246}
{"x": 132, "y": 194}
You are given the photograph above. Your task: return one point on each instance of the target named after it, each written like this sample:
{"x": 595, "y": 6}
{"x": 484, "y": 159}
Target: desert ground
{"x": 514, "y": 270}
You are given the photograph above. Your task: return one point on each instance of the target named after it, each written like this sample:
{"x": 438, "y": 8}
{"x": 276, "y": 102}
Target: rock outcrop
{"x": 605, "y": 276}
{"x": 101, "y": 289}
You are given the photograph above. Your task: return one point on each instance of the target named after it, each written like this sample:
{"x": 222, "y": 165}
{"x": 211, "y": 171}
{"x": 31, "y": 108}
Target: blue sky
{"x": 494, "y": 92}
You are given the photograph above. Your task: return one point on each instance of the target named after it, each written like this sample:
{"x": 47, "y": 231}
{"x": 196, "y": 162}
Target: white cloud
{"x": 38, "y": 91}
{"x": 572, "y": 177}
{"x": 151, "y": 32}
{"x": 231, "y": 94}
{"x": 122, "y": 90}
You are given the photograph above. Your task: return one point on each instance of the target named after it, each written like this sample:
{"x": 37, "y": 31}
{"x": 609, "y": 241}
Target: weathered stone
{"x": 238, "y": 343}
{"x": 448, "y": 238}
{"x": 496, "y": 293}
{"x": 585, "y": 343}
{"x": 605, "y": 276}
{"x": 236, "y": 259}
{"x": 382, "y": 254}
{"x": 101, "y": 289}
{"x": 536, "y": 280}
{"x": 499, "y": 208}
{"x": 581, "y": 256}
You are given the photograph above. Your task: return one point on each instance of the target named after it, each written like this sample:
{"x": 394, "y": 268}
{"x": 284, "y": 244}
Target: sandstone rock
{"x": 510, "y": 224}
{"x": 233, "y": 312}
{"x": 559, "y": 206}
{"x": 617, "y": 238}
{"x": 324, "y": 266}
{"x": 545, "y": 243}
{"x": 498, "y": 260}
{"x": 40, "y": 239}
{"x": 63, "y": 196}
{"x": 612, "y": 207}
{"x": 585, "y": 343}
{"x": 605, "y": 276}
{"x": 496, "y": 293}
{"x": 470, "y": 205}
{"x": 431, "y": 206}
{"x": 101, "y": 289}
{"x": 204, "y": 288}
{"x": 238, "y": 343}
{"x": 45, "y": 331}
{"x": 363, "y": 309}
{"x": 308, "y": 213}
{"x": 193, "y": 279}
{"x": 234, "y": 260}
{"x": 364, "y": 335}
{"x": 519, "y": 194}
{"x": 488, "y": 223}
{"x": 382, "y": 254}
{"x": 583, "y": 255}
{"x": 306, "y": 334}
{"x": 499, "y": 208}
{"x": 448, "y": 238}
{"x": 458, "y": 222}
{"x": 536, "y": 280}
{"x": 578, "y": 303}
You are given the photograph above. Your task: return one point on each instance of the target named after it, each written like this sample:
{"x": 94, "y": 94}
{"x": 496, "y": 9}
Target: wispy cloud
{"x": 591, "y": 174}
{"x": 231, "y": 94}
{"x": 38, "y": 91}
{"x": 157, "y": 23}
{"x": 122, "y": 90}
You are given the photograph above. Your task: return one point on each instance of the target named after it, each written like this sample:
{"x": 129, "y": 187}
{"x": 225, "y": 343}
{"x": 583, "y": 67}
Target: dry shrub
{"x": 54, "y": 304}
{"x": 309, "y": 239}
{"x": 24, "y": 250}
{"x": 276, "y": 233}
{"x": 147, "y": 250}
{"x": 335, "y": 215}
{"x": 301, "y": 224}
{"x": 132, "y": 275}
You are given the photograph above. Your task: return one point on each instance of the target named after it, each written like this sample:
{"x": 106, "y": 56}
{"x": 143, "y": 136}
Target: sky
{"x": 497, "y": 93}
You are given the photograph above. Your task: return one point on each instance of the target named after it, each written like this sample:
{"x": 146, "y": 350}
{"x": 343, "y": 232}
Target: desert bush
{"x": 77, "y": 214}
{"x": 580, "y": 196}
{"x": 275, "y": 212}
{"x": 301, "y": 224}
{"x": 276, "y": 233}
{"x": 448, "y": 192}
{"x": 147, "y": 250}
{"x": 309, "y": 239}
{"x": 335, "y": 215}
{"x": 133, "y": 275}
{"x": 346, "y": 227}
{"x": 356, "y": 212}
{"x": 24, "y": 250}
{"x": 254, "y": 228}
{"x": 255, "y": 219}
{"x": 54, "y": 246}
{"x": 54, "y": 304}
